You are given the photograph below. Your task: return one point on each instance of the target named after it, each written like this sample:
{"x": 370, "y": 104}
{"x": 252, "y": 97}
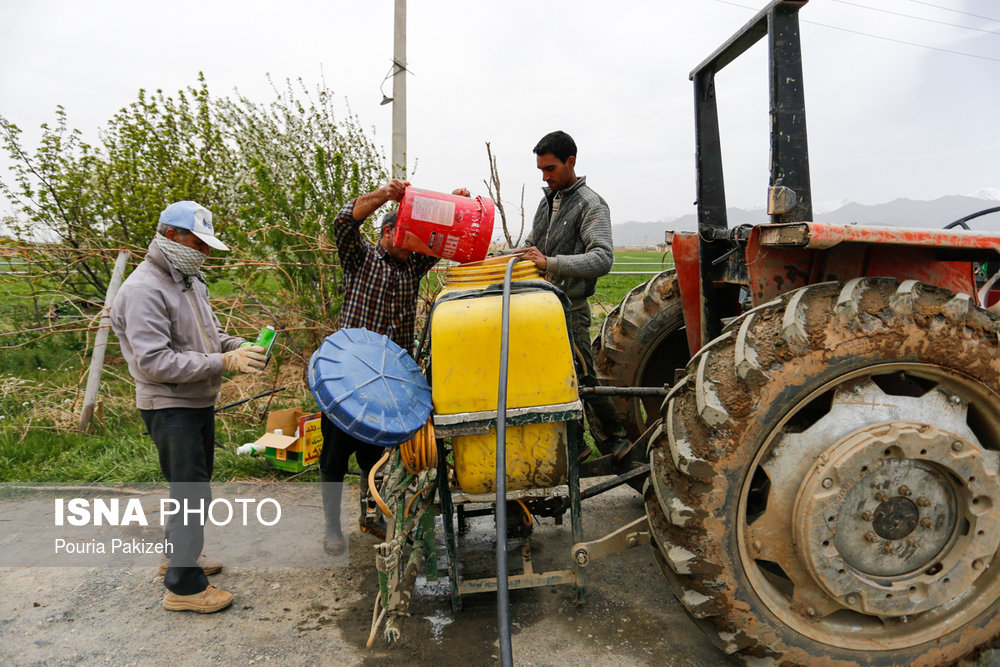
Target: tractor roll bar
{"x": 789, "y": 195}
{"x": 789, "y": 145}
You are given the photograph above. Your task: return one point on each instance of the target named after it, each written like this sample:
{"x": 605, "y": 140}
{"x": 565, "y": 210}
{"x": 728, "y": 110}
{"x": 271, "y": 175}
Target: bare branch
{"x": 494, "y": 189}
{"x": 520, "y": 234}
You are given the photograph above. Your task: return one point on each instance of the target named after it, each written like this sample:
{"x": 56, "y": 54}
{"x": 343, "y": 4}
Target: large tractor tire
{"x": 641, "y": 343}
{"x": 825, "y": 486}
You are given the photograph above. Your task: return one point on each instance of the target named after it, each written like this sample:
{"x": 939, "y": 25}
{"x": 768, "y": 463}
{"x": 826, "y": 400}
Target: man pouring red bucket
{"x": 444, "y": 225}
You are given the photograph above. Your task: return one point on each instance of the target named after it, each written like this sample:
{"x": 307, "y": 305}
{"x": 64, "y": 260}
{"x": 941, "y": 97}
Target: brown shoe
{"x": 209, "y": 600}
{"x": 209, "y": 565}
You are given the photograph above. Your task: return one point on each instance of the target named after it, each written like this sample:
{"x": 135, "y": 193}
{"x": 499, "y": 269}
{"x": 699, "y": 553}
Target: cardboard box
{"x": 300, "y": 442}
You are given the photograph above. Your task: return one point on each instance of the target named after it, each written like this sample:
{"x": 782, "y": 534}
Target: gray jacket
{"x": 577, "y": 241}
{"x": 169, "y": 336}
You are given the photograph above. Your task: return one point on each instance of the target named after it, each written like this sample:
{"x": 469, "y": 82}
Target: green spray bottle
{"x": 265, "y": 339}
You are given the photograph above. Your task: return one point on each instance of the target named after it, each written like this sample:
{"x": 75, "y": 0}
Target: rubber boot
{"x": 333, "y": 540}
{"x": 375, "y": 524}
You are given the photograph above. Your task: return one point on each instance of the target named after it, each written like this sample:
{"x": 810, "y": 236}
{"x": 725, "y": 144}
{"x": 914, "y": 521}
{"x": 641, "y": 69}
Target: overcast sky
{"x": 886, "y": 119}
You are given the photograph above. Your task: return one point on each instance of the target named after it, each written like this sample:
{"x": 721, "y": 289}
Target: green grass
{"x": 39, "y": 442}
{"x": 632, "y": 268}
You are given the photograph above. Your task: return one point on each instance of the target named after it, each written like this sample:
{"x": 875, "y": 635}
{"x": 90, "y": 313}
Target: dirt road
{"x": 307, "y": 616}
{"x": 304, "y": 616}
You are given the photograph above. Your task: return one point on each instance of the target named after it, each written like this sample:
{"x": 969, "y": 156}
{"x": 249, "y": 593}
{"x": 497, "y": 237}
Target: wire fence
{"x": 47, "y": 294}
{"x": 658, "y": 268}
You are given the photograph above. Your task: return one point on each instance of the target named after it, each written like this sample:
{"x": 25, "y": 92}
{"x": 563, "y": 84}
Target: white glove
{"x": 244, "y": 359}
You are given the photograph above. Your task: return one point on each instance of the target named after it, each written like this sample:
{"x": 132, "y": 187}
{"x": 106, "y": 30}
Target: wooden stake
{"x": 100, "y": 342}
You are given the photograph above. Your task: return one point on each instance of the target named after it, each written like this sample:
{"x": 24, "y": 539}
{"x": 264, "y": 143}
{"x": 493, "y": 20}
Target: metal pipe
{"x": 503, "y": 595}
{"x": 447, "y": 517}
{"x": 624, "y": 391}
{"x": 624, "y": 478}
{"x": 423, "y": 339}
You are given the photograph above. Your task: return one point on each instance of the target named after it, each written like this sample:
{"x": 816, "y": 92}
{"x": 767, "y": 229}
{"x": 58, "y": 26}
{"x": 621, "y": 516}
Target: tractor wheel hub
{"x": 896, "y": 518}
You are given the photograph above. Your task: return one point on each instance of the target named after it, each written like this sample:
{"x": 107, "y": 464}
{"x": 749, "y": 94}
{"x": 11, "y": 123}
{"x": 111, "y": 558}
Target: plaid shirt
{"x": 380, "y": 294}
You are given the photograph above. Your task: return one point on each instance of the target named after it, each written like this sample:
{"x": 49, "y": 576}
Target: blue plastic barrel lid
{"x": 369, "y": 387}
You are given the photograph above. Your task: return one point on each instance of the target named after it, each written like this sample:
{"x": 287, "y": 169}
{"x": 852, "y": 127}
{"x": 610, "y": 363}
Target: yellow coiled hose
{"x": 419, "y": 453}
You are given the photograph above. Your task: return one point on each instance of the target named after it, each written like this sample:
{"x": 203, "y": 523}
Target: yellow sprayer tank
{"x": 465, "y": 370}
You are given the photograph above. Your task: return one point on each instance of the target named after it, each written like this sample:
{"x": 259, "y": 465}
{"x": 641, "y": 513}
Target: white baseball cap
{"x": 195, "y": 217}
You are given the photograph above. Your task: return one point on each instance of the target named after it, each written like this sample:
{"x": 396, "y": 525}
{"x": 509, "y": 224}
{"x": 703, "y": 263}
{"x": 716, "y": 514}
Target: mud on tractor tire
{"x": 825, "y": 485}
{"x": 641, "y": 343}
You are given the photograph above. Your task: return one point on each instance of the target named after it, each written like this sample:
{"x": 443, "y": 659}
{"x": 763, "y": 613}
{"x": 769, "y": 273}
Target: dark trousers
{"x": 602, "y": 416}
{"x": 185, "y": 441}
{"x": 337, "y": 449}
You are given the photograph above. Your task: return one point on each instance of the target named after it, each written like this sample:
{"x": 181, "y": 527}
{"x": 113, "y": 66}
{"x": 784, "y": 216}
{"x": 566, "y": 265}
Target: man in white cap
{"x": 177, "y": 351}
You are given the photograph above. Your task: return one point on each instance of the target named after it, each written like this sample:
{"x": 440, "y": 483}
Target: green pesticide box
{"x": 293, "y": 439}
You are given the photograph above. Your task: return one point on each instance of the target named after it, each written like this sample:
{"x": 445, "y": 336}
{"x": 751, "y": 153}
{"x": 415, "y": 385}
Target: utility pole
{"x": 399, "y": 92}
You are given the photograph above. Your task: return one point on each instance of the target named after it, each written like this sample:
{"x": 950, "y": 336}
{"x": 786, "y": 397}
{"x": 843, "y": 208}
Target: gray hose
{"x": 503, "y": 595}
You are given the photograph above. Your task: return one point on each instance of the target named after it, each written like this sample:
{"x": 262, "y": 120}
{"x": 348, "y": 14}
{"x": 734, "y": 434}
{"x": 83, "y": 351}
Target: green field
{"x": 43, "y": 376}
{"x": 632, "y": 267}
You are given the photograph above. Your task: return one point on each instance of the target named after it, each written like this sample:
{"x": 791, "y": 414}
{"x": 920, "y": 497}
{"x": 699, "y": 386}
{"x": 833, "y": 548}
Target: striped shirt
{"x": 380, "y": 294}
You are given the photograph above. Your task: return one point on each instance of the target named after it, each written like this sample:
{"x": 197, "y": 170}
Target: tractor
{"x": 825, "y": 470}
{"x": 815, "y": 411}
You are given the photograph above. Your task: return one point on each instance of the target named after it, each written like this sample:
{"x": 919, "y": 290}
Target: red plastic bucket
{"x": 444, "y": 225}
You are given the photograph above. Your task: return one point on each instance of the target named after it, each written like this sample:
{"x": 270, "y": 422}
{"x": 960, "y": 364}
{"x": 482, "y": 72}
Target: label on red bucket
{"x": 439, "y": 212}
{"x": 423, "y": 216}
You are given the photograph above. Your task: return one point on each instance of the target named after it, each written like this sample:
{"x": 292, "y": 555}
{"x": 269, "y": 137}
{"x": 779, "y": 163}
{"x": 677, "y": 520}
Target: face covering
{"x": 186, "y": 260}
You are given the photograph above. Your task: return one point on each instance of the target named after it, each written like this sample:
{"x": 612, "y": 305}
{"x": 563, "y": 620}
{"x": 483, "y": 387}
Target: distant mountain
{"x": 899, "y": 213}
{"x": 914, "y": 213}
{"x": 992, "y": 194}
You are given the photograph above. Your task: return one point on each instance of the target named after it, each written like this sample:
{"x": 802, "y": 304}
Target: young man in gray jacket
{"x": 176, "y": 352}
{"x": 570, "y": 242}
